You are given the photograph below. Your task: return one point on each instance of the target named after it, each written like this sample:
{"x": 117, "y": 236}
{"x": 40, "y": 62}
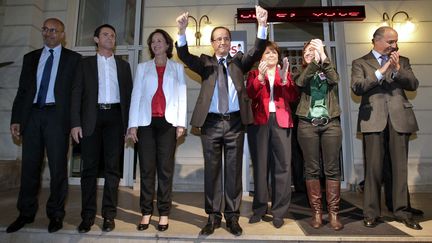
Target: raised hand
{"x": 318, "y": 45}
{"x": 384, "y": 68}
{"x": 262, "y": 68}
{"x": 261, "y": 15}
{"x": 283, "y": 72}
{"x": 182, "y": 23}
{"x": 394, "y": 61}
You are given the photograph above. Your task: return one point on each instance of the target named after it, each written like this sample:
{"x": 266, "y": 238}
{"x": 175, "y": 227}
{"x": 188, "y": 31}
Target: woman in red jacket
{"x": 271, "y": 89}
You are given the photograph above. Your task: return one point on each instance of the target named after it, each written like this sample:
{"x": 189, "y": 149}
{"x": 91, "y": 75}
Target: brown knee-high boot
{"x": 314, "y": 194}
{"x": 333, "y": 199}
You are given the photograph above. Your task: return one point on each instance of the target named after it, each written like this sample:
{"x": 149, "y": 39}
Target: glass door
{"x": 125, "y": 16}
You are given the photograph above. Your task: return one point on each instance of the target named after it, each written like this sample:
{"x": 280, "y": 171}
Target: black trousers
{"x": 328, "y": 140}
{"x": 108, "y": 134}
{"x": 270, "y": 149}
{"x": 375, "y": 145}
{"x": 156, "y": 149}
{"x": 223, "y": 135}
{"x": 43, "y": 130}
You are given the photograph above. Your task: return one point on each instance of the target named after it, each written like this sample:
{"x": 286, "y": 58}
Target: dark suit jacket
{"x": 85, "y": 93}
{"x": 23, "y": 102}
{"x": 207, "y": 67}
{"x": 380, "y": 101}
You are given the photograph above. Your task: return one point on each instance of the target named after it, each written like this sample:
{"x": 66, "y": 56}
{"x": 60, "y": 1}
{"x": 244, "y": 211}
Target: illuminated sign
{"x": 305, "y": 14}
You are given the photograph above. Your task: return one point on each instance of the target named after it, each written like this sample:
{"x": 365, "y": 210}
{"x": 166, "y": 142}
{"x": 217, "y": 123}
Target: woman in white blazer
{"x": 157, "y": 118}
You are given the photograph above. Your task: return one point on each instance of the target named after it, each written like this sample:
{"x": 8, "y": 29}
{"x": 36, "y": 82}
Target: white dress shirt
{"x": 272, "y": 106}
{"x": 109, "y": 92}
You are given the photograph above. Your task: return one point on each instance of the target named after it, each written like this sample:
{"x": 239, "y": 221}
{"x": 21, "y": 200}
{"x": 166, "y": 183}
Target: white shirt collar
{"x": 56, "y": 49}
{"x": 376, "y": 54}
{"x": 225, "y": 57}
{"x": 105, "y": 58}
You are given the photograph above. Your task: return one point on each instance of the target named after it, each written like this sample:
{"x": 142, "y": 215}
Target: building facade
{"x": 20, "y": 22}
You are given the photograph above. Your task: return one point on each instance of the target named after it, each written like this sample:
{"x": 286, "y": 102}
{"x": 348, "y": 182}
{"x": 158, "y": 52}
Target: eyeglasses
{"x": 48, "y": 30}
{"x": 219, "y": 39}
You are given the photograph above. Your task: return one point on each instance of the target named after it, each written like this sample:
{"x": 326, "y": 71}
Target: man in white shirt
{"x": 99, "y": 118}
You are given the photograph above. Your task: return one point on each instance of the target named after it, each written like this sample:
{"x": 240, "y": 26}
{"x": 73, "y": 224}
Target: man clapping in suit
{"x": 386, "y": 119}
{"x": 99, "y": 113}
{"x": 41, "y": 119}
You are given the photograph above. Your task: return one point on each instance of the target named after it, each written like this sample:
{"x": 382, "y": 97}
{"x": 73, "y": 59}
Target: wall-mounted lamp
{"x": 198, "y": 33}
{"x": 403, "y": 27}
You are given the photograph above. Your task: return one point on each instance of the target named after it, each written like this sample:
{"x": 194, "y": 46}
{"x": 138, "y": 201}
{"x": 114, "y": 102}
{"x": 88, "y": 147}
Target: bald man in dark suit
{"x": 41, "y": 119}
{"x": 386, "y": 120}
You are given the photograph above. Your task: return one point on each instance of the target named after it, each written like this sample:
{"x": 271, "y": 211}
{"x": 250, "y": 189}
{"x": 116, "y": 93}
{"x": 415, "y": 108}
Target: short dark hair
{"x": 273, "y": 46}
{"x": 219, "y": 27}
{"x": 98, "y": 29}
{"x": 167, "y": 38}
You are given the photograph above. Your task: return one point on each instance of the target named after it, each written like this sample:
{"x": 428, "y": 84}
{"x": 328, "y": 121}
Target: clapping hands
{"x": 283, "y": 72}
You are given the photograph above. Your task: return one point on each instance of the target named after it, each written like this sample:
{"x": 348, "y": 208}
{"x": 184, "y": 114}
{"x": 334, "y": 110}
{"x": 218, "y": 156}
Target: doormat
{"x": 350, "y": 216}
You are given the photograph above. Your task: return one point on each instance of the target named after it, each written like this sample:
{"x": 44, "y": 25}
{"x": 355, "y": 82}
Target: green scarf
{"x": 318, "y": 88}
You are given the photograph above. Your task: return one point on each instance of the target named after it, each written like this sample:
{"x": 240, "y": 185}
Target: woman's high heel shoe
{"x": 162, "y": 227}
{"x": 142, "y": 227}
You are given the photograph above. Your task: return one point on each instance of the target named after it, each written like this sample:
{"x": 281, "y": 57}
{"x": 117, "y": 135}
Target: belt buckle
{"x": 226, "y": 117}
{"x": 104, "y": 106}
{"x": 320, "y": 121}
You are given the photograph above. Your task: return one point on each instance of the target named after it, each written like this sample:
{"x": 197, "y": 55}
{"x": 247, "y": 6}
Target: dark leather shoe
{"x": 212, "y": 224}
{"x": 55, "y": 225}
{"x": 162, "y": 227}
{"x": 369, "y": 222}
{"x": 255, "y": 219}
{"x": 19, "y": 223}
{"x": 415, "y": 211}
{"x": 108, "y": 225}
{"x": 85, "y": 225}
{"x": 411, "y": 223}
{"x": 278, "y": 222}
{"x": 234, "y": 227}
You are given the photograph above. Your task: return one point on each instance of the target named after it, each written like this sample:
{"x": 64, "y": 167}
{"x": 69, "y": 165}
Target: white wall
{"x": 20, "y": 25}
{"x": 417, "y": 47}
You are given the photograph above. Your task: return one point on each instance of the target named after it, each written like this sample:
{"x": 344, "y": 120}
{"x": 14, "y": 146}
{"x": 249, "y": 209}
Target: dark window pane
{"x": 286, "y": 32}
{"x": 118, "y": 13}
